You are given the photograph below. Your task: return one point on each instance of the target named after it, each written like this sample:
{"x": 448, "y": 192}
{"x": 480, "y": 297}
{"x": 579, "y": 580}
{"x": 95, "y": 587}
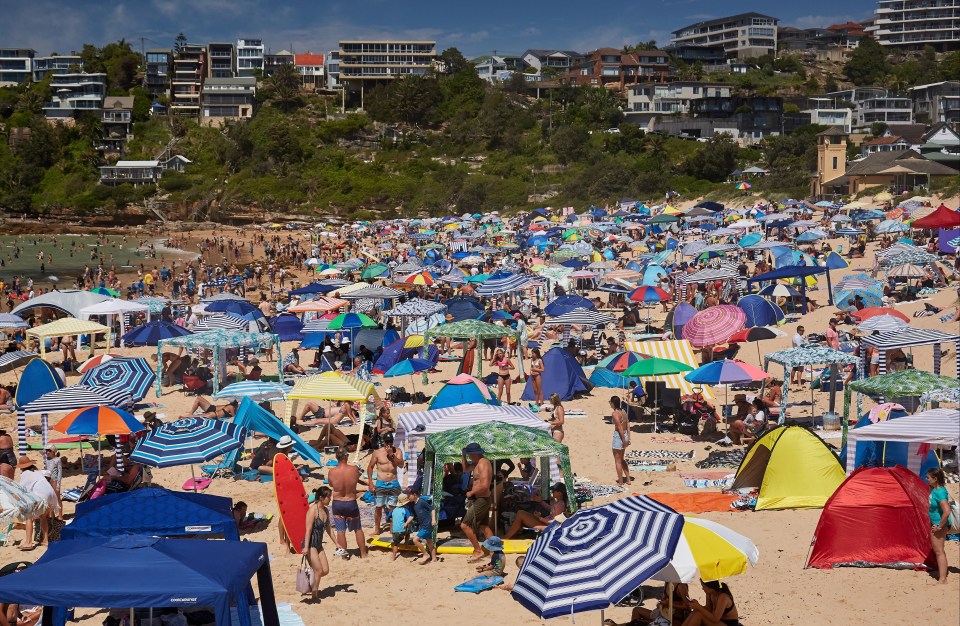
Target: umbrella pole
{"x": 670, "y": 602}
{"x": 193, "y": 477}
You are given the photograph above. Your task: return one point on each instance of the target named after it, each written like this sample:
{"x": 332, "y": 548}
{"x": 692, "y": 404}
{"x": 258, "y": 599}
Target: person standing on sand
{"x": 939, "y": 510}
{"x": 343, "y": 480}
{"x": 386, "y": 489}
{"x": 478, "y": 498}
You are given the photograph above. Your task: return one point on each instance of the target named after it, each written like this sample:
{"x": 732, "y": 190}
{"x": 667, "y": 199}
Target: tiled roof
{"x": 308, "y": 59}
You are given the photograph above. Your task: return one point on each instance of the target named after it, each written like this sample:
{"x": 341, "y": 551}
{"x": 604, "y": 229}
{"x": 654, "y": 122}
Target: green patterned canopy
{"x": 909, "y": 383}
{"x": 217, "y": 341}
{"x": 469, "y": 329}
{"x": 809, "y": 355}
{"x": 499, "y": 440}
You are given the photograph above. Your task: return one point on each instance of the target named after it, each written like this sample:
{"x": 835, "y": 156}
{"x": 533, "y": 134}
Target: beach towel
{"x": 706, "y": 483}
{"x": 722, "y": 458}
{"x": 72, "y": 495}
{"x": 480, "y": 583}
{"x": 574, "y": 413}
{"x": 196, "y": 484}
{"x": 670, "y": 439}
{"x": 695, "y": 502}
{"x": 660, "y": 454}
{"x": 585, "y": 490}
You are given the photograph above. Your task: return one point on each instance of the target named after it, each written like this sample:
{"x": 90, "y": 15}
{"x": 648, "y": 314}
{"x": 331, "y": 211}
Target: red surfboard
{"x": 291, "y": 500}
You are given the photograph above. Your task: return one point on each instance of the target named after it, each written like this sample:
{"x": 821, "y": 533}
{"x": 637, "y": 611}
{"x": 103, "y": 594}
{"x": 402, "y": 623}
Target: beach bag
{"x": 304, "y": 577}
{"x": 953, "y": 520}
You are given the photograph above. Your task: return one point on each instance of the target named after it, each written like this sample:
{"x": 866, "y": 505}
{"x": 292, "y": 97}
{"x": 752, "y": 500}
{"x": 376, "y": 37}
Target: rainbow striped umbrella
{"x": 647, "y": 293}
{"x": 419, "y": 278}
{"x": 620, "y": 361}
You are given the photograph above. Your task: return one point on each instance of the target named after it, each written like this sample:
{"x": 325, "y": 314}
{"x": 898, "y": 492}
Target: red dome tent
{"x": 942, "y": 217}
{"x": 876, "y": 518}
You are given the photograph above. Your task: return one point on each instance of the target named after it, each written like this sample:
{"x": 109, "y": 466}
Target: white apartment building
{"x": 915, "y": 24}
{"x": 364, "y": 63}
{"x": 16, "y": 65}
{"x": 866, "y": 105}
{"x": 75, "y": 93}
{"x": 331, "y": 68}
{"x": 937, "y": 102}
{"x": 742, "y": 36}
{"x": 646, "y": 101}
{"x": 57, "y": 64}
{"x": 825, "y": 112}
{"x": 227, "y": 99}
{"x": 249, "y": 56}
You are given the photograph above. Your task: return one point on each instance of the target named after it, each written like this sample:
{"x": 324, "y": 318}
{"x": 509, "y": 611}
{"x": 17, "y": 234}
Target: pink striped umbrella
{"x": 714, "y": 325}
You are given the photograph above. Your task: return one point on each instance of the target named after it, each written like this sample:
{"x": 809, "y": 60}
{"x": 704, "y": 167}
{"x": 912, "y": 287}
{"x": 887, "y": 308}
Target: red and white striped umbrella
{"x": 94, "y": 361}
{"x": 714, "y": 325}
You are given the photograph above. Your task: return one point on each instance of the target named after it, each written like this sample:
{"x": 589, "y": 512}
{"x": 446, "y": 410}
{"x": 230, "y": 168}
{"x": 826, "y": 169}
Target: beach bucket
{"x": 831, "y": 421}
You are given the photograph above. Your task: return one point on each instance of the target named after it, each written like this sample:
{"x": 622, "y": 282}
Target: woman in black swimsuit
{"x": 318, "y": 523}
{"x": 720, "y": 609}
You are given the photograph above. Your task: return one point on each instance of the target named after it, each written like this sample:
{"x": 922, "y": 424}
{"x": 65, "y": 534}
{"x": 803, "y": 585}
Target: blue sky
{"x": 310, "y": 25}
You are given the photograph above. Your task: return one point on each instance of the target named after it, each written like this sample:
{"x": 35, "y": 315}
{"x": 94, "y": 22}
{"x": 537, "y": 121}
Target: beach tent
{"x": 499, "y": 440}
{"x": 791, "y": 467}
{"x": 602, "y": 377}
{"x": 219, "y": 341}
{"x": 115, "y": 307}
{"x": 675, "y": 350}
{"x": 403, "y": 349}
{"x": 159, "y": 512}
{"x": 414, "y": 427}
{"x": 38, "y": 378}
{"x": 69, "y": 302}
{"x": 287, "y": 327}
{"x": 461, "y": 308}
{"x": 889, "y": 453}
{"x": 562, "y": 375}
{"x": 934, "y": 428}
{"x": 463, "y": 389}
{"x": 877, "y": 517}
{"x": 255, "y": 418}
{"x": 374, "y": 338}
{"x": 146, "y": 572}
{"x": 64, "y": 327}
{"x": 942, "y": 217}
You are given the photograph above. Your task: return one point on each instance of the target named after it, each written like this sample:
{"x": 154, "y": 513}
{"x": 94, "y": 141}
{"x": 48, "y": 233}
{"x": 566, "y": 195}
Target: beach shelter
{"x": 675, "y": 350}
{"x": 463, "y": 389}
{"x": 888, "y": 453}
{"x": 936, "y": 428}
{"x": 942, "y": 217}
{"x": 461, "y": 308}
{"x": 64, "y": 327}
{"x": 255, "y": 418}
{"x": 564, "y": 304}
{"x": 791, "y": 467}
{"x": 115, "y": 307}
{"x": 146, "y": 572}
{"x": 562, "y": 376}
{"x": 499, "y": 440}
{"x": 218, "y": 342}
{"x": 69, "y": 301}
{"x": 288, "y": 327}
{"x": 602, "y": 377}
{"x": 402, "y": 349}
{"x": 157, "y": 511}
{"x": 37, "y": 378}
{"x": 877, "y": 517}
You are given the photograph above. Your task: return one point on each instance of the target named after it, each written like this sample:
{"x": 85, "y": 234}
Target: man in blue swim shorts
{"x": 343, "y": 480}
{"x": 385, "y": 487}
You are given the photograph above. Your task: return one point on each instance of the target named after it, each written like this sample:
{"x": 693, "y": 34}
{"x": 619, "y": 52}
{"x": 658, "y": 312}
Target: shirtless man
{"x": 478, "y": 498}
{"x": 386, "y": 490}
{"x": 8, "y": 460}
{"x": 343, "y": 480}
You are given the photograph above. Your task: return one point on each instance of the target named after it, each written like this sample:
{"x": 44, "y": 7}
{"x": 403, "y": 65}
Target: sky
{"x": 475, "y": 28}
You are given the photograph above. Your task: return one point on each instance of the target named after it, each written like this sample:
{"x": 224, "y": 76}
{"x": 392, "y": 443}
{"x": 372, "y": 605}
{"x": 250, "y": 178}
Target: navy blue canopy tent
{"x": 288, "y": 327}
{"x": 564, "y": 376}
{"x": 145, "y": 572}
{"x": 313, "y": 289}
{"x": 153, "y": 512}
{"x": 794, "y": 271}
{"x": 565, "y": 304}
{"x": 464, "y": 308}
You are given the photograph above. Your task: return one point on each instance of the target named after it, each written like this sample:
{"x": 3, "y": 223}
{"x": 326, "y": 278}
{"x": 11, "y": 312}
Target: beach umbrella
{"x": 221, "y": 321}
{"x": 750, "y": 240}
{"x": 9, "y": 320}
{"x": 714, "y": 325}
{"x": 94, "y": 361}
{"x": 332, "y": 386}
{"x": 905, "y": 383}
{"x": 778, "y": 290}
{"x": 871, "y": 298}
{"x": 841, "y": 218}
{"x": 375, "y": 271}
{"x": 648, "y": 294}
{"x": 133, "y": 375}
{"x": 891, "y": 226}
{"x": 597, "y": 557}
{"x": 565, "y": 304}
{"x": 582, "y": 317}
{"x": 873, "y": 311}
{"x": 99, "y": 420}
{"x": 743, "y": 186}
{"x": 951, "y": 394}
{"x": 906, "y": 271}
{"x": 410, "y": 367}
{"x": 858, "y": 281}
{"x": 651, "y": 368}
{"x": 620, "y": 361}
{"x": 424, "y": 278}
{"x": 883, "y": 324}
{"x": 237, "y": 308}
{"x": 351, "y": 320}
{"x": 710, "y": 549}
{"x": 755, "y": 334}
{"x": 848, "y": 231}
{"x": 18, "y": 504}
{"x": 187, "y": 441}
{"x": 726, "y": 372}
{"x": 811, "y": 235}
{"x": 256, "y": 390}
{"x": 760, "y": 311}
{"x": 152, "y": 333}
{"x": 13, "y": 360}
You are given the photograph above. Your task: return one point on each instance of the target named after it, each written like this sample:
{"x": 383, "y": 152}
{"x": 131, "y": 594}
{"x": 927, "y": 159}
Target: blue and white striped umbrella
{"x": 222, "y": 321}
{"x": 133, "y": 375}
{"x": 258, "y": 391}
{"x": 187, "y": 441}
{"x": 14, "y": 359}
{"x": 597, "y": 557}
{"x": 78, "y": 397}
{"x": 501, "y": 285}
{"x": 849, "y": 231}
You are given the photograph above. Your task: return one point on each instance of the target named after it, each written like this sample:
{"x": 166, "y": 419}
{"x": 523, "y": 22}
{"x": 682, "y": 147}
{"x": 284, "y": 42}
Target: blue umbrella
{"x": 750, "y": 240}
{"x": 760, "y": 311}
{"x": 132, "y": 375}
{"x": 9, "y": 320}
{"x": 238, "y": 308}
{"x": 811, "y": 235}
{"x": 597, "y": 557}
{"x": 151, "y": 333}
{"x": 565, "y": 304}
{"x": 258, "y": 391}
{"x": 187, "y": 441}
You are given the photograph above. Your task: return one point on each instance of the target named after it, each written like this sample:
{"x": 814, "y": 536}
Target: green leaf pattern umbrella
{"x": 908, "y": 383}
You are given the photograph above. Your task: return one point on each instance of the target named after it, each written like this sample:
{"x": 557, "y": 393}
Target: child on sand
{"x": 399, "y": 517}
{"x": 497, "y": 558}
{"x": 426, "y": 519}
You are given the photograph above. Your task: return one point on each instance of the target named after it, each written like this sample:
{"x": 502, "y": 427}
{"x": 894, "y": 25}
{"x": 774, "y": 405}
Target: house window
{"x": 834, "y": 162}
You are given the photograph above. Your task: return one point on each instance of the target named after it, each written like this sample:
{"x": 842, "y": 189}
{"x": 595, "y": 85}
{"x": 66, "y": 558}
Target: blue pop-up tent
{"x": 461, "y": 308}
{"x": 254, "y": 417}
{"x": 562, "y": 375}
{"x": 288, "y": 327}
{"x": 157, "y": 511}
{"x": 145, "y": 572}
{"x": 794, "y": 271}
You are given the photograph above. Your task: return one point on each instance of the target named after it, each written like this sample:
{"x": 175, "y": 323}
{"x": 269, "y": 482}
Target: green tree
{"x": 179, "y": 43}
{"x": 867, "y": 64}
{"x": 715, "y": 159}
{"x": 569, "y": 143}
{"x": 282, "y": 88}
{"x": 410, "y": 100}
{"x": 462, "y": 93}
{"x": 453, "y": 61}
{"x": 950, "y": 66}
{"x": 877, "y": 129}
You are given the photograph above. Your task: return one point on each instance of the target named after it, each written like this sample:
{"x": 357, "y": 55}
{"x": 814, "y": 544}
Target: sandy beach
{"x": 778, "y": 591}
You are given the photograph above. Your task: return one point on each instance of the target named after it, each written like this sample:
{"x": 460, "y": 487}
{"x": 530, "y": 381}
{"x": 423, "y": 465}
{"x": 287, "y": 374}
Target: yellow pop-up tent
{"x": 67, "y": 326}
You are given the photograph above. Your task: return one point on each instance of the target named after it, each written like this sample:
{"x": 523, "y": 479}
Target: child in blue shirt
{"x": 426, "y": 520}
{"x": 399, "y": 517}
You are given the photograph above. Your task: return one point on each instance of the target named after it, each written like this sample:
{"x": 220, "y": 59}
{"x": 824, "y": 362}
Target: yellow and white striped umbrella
{"x": 711, "y": 549}
{"x": 333, "y": 386}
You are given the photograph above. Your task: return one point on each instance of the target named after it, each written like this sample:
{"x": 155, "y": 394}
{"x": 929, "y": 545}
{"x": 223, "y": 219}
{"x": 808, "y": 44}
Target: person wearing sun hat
{"x": 475, "y": 519}
{"x": 497, "y": 558}
{"x": 35, "y": 481}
